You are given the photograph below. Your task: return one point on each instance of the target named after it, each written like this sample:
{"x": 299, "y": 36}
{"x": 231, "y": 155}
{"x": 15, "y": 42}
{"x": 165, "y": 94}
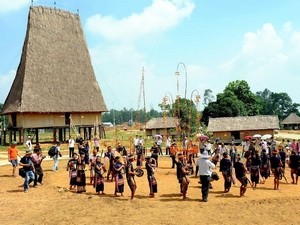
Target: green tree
{"x": 185, "y": 110}
{"x": 277, "y": 104}
{"x": 241, "y": 90}
{"x": 236, "y": 100}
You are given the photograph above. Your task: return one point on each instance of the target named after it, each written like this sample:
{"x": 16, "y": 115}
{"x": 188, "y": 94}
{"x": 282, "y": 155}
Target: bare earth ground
{"x": 52, "y": 203}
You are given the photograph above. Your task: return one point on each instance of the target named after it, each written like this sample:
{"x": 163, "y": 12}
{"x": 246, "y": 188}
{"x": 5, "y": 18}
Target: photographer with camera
{"x": 28, "y": 169}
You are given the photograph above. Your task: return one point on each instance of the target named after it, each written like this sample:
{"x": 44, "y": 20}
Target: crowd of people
{"x": 261, "y": 160}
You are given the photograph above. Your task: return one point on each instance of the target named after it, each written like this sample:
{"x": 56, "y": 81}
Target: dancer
{"x": 130, "y": 173}
{"x": 110, "y": 157}
{"x": 72, "y": 168}
{"x": 264, "y": 166}
{"x": 294, "y": 164}
{"x": 225, "y": 168}
{"x": 182, "y": 171}
{"x": 150, "y": 167}
{"x": 119, "y": 179}
{"x": 81, "y": 178}
{"x": 92, "y": 166}
{"x": 240, "y": 174}
{"x": 99, "y": 179}
{"x": 276, "y": 168}
{"x": 254, "y": 170}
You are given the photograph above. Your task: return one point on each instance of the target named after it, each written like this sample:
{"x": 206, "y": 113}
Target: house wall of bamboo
{"x": 44, "y": 120}
{"x": 226, "y": 135}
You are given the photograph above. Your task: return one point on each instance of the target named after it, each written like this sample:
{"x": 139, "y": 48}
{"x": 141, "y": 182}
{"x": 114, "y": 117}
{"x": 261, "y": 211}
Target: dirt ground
{"x": 53, "y": 203}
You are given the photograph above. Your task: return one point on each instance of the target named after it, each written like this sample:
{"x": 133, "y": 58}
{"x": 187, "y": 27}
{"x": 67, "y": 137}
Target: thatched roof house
{"x": 241, "y": 126}
{"x": 161, "y": 126}
{"x": 55, "y": 78}
{"x": 292, "y": 121}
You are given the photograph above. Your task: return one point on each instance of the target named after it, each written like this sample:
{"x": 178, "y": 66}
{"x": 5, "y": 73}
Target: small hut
{"x": 291, "y": 122}
{"x": 163, "y": 126}
{"x": 227, "y": 128}
{"x": 55, "y": 86}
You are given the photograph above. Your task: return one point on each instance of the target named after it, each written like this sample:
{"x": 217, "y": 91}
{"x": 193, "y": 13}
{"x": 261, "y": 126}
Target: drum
{"x": 139, "y": 172}
{"x": 214, "y": 176}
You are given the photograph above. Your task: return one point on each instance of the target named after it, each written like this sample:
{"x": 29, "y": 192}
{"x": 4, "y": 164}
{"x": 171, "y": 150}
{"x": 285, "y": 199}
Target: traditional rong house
{"x": 226, "y": 128}
{"x": 292, "y": 122}
{"x": 55, "y": 86}
{"x": 162, "y": 126}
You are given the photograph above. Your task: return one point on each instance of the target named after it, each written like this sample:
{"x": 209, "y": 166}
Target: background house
{"x": 226, "y": 128}
{"x": 55, "y": 86}
{"x": 162, "y": 126}
{"x": 291, "y": 122}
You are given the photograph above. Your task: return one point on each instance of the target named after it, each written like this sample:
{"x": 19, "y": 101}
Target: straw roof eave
{"x": 243, "y": 123}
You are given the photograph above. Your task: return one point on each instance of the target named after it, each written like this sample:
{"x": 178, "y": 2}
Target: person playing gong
{"x": 150, "y": 167}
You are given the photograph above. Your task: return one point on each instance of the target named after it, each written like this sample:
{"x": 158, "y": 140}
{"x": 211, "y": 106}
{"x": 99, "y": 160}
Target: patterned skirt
{"x": 152, "y": 184}
{"x": 119, "y": 183}
{"x": 73, "y": 176}
{"x": 81, "y": 179}
{"x": 99, "y": 182}
{"x": 254, "y": 174}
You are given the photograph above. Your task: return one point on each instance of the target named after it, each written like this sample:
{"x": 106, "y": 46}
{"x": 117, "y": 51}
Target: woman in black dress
{"x": 225, "y": 168}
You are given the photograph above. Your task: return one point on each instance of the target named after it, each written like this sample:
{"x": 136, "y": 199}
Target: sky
{"x": 208, "y": 42}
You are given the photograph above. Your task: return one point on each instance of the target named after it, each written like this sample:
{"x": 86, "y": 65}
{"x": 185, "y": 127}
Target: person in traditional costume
{"x": 182, "y": 171}
{"x": 282, "y": 155}
{"x": 110, "y": 156}
{"x": 81, "y": 178}
{"x": 99, "y": 179}
{"x": 264, "y": 165}
{"x": 240, "y": 174}
{"x": 150, "y": 167}
{"x": 130, "y": 173}
{"x": 173, "y": 151}
{"x": 119, "y": 179}
{"x": 154, "y": 152}
{"x": 92, "y": 166}
{"x": 139, "y": 155}
{"x": 225, "y": 168}
{"x": 276, "y": 168}
{"x": 254, "y": 170}
{"x": 294, "y": 164}
{"x": 72, "y": 168}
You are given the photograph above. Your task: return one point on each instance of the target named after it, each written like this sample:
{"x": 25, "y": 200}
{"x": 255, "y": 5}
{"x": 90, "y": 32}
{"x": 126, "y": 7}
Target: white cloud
{"x": 264, "y": 42}
{"x": 159, "y": 17}
{"x": 6, "y": 81}
{"x": 287, "y": 27}
{"x": 12, "y": 5}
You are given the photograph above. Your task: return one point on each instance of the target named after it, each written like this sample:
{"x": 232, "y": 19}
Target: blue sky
{"x": 217, "y": 40}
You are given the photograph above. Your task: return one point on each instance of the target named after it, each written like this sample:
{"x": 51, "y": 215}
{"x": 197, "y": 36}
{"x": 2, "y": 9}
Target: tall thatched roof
{"x": 55, "y": 73}
{"x": 160, "y": 123}
{"x": 291, "y": 119}
{"x": 243, "y": 123}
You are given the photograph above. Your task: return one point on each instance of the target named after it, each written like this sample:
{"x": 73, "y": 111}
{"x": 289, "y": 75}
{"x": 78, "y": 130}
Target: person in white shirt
{"x": 159, "y": 142}
{"x": 205, "y": 170}
{"x": 208, "y": 147}
{"x": 168, "y": 145}
{"x": 29, "y": 143}
{"x": 71, "y": 147}
{"x": 136, "y": 141}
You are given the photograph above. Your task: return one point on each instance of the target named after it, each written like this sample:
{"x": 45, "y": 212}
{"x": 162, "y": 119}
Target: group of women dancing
{"x": 113, "y": 166}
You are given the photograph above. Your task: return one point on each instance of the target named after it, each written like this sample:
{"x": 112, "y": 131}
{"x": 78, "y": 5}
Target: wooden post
{"x": 36, "y": 135}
